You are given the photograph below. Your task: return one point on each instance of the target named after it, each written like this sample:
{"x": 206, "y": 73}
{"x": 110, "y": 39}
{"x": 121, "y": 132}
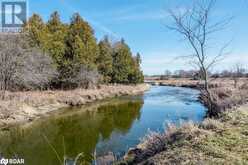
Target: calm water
{"x": 109, "y": 126}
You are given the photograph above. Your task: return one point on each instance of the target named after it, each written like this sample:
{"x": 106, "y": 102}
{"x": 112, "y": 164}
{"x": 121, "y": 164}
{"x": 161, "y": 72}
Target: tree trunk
{"x": 210, "y": 101}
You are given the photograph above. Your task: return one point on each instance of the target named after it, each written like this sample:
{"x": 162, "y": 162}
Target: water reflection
{"x": 70, "y": 134}
{"x": 112, "y": 126}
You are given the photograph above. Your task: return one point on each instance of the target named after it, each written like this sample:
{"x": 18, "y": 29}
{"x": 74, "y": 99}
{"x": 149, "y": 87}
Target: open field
{"x": 187, "y": 82}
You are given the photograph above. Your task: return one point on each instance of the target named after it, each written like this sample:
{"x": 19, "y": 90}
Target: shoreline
{"x": 24, "y": 107}
{"x": 189, "y": 142}
{"x": 156, "y": 146}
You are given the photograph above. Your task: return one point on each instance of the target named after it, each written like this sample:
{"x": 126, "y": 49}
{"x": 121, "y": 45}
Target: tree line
{"x": 236, "y": 71}
{"x": 80, "y": 60}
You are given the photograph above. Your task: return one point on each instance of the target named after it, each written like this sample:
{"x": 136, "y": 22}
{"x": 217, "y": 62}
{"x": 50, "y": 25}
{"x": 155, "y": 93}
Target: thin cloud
{"x": 95, "y": 23}
{"x": 137, "y": 12}
{"x": 142, "y": 16}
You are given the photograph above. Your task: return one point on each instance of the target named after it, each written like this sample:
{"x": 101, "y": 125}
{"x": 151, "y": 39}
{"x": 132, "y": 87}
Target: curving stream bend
{"x": 110, "y": 126}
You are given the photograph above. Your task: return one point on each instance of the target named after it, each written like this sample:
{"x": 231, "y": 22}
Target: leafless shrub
{"x": 22, "y": 67}
{"x": 211, "y": 124}
{"x": 226, "y": 98}
{"x": 10, "y": 55}
{"x": 244, "y": 86}
{"x": 221, "y": 93}
{"x": 237, "y": 73}
{"x": 82, "y": 77}
{"x": 35, "y": 71}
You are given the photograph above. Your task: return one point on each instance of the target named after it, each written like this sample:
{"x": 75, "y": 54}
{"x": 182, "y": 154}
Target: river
{"x": 108, "y": 126}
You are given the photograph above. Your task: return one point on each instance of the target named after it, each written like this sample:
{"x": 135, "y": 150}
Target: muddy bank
{"x": 21, "y": 107}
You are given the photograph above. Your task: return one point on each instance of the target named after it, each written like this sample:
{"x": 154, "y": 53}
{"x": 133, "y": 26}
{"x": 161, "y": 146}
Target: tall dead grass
{"x": 154, "y": 143}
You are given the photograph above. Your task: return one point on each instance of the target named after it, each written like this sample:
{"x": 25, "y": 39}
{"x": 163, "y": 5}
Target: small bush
{"x": 80, "y": 77}
{"x": 211, "y": 124}
{"x": 35, "y": 71}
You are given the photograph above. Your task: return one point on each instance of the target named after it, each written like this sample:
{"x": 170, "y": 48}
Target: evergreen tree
{"x": 80, "y": 31}
{"x": 55, "y": 44}
{"x": 105, "y": 60}
{"x": 54, "y": 24}
{"x": 36, "y": 31}
{"x": 138, "y": 59}
{"x": 136, "y": 75}
{"x": 122, "y": 63}
{"x": 75, "y": 51}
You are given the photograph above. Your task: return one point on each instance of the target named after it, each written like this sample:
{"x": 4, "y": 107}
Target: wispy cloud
{"x": 142, "y": 16}
{"x": 95, "y": 23}
{"x": 138, "y": 12}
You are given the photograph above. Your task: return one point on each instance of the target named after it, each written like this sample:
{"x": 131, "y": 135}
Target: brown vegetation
{"x": 222, "y": 141}
{"x": 26, "y": 106}
{"x": 202, "y": 144}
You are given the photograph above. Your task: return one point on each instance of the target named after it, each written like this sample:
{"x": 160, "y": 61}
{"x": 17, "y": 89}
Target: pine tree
{"x": 54, "y": 24}
{"x": 105, "y": 60}
{"x": 36, "y": 32}
{"x": 136, "y": 75}
{"x": 122, "y": 63}
{"x": 80, "y": 29}
{"x": 74, "y": 49}
{"x": 55, "y": 44}
{"x": 138, "y": 58}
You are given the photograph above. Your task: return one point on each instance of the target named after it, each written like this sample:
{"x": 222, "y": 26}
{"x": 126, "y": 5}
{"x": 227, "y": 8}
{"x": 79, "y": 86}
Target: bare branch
{"x": 195, "y": 26}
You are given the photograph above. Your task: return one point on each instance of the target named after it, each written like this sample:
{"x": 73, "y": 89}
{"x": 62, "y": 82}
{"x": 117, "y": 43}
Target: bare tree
{"x": 10, "y": 54}
{"x": 167, "y": 74}
{"x": 87, "y": 78}
{"x": 22, "y": 67}
{"x": 237, "y": 73}
{"x": 195, "y": 26}
{"x": 81, "y": 77}
{"x": 35, "y": 71}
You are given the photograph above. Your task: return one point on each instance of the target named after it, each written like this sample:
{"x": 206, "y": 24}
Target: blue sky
{"x": 141, "y": 24}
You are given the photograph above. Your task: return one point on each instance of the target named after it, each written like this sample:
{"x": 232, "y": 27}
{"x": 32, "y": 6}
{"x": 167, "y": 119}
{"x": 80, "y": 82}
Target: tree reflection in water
{"x": 70, "y": 134}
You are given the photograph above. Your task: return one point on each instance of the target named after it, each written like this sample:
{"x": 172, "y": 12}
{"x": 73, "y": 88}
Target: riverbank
{"x": 219, "y": 141}
{"x": 225, "y": 93}
{"x": 21, "y": 107}
{"x": 216, "y": 141}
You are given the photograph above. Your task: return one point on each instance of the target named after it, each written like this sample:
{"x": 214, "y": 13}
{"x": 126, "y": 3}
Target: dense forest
{"x": 73, "y": 55}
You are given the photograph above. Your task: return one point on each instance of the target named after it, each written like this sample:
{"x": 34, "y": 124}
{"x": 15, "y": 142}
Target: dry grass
{"x": 155, "y": 143}
{"x": 223, "y": 141}
{"x": 214, "y": 141}
{"x": 214, "y": 83}
{"x": 25, "y": 106}
{"x": 228, "y": 98}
